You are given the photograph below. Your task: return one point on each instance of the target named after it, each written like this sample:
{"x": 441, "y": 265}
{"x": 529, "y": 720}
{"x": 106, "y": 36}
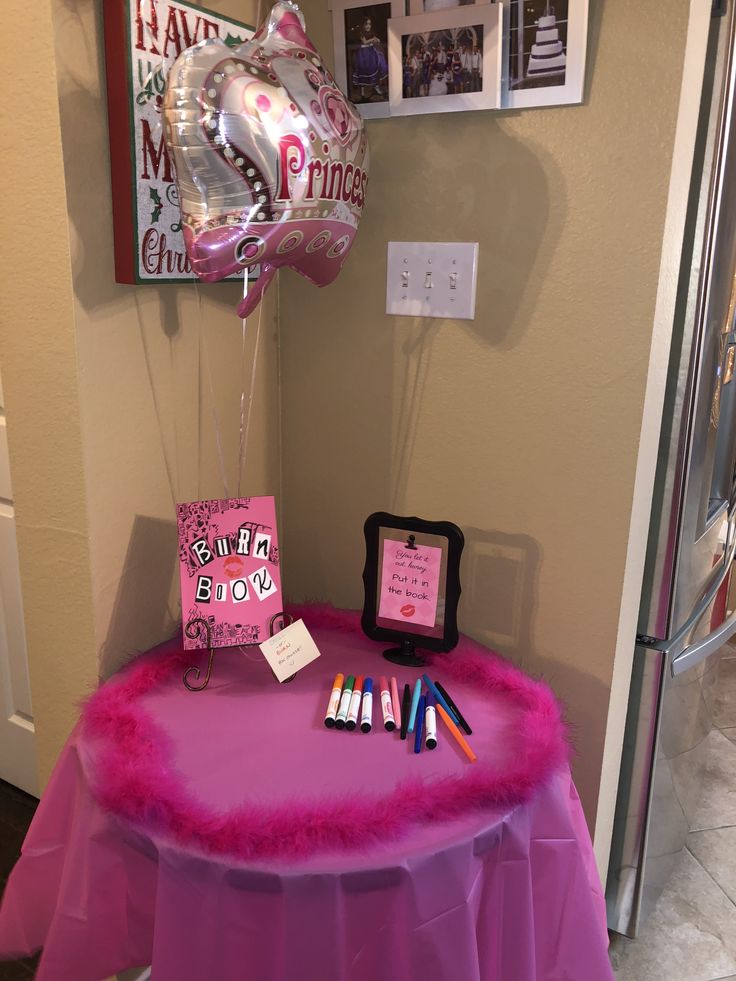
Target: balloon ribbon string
{"x": 156, "y": 406}
{"x": 241, "y": 443}
{"x": 208, "y": 371}
{"x": 410, "y": 410}
{"x": 245, "y": 430}
{"x": 199, "y": 417}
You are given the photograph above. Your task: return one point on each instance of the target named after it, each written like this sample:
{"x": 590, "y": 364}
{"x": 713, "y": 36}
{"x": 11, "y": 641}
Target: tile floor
{"x": 691, "y": 935}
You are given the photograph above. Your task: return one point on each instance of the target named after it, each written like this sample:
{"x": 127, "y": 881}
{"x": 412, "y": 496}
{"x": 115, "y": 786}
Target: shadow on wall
{"x": 518, "y": 241}
{"x": 359, "y": 386}
{"x": 589, "y": 699}
{"x": 141, "y": 615}
{"x": 481, "y": 184}
{"x": 499, "y": 576}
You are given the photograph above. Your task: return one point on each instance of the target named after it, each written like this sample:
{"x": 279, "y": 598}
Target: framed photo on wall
{"x": 547, "y": 40}
{"x": 446, "y": 61}
{"x": 429, "y": 6}
{"x": 360, "y": 34}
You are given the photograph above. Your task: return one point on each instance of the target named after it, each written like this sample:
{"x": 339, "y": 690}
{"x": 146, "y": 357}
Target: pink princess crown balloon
{"x": 271, "y": 159}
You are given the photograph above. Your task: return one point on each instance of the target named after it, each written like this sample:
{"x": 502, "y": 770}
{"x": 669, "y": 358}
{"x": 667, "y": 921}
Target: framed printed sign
{"x": 229, "y": 568}
{"x": 412, "y": 584}
{"x": 143, "y": 38}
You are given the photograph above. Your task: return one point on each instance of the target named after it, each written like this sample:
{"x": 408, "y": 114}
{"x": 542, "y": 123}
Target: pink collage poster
{"x": 229, "y": 565}
{"x": 410, "y": 580}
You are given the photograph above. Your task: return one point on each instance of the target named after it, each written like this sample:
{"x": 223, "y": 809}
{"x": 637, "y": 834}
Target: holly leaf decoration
{"x": 158, "y": 204}
{"x": 233, "y": 41}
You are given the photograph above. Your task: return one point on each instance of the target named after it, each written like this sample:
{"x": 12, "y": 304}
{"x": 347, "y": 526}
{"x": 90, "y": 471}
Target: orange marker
{"x": 334, "y": 701}
{"x": 457, "y": 734}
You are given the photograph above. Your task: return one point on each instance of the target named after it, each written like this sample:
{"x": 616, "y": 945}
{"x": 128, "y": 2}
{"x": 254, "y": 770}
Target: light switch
{"x": 432, "y": 279}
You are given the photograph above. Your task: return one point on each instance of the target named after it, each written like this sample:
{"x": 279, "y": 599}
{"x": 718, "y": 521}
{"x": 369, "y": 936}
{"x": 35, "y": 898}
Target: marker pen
{"x": 347, "y": 694}
{"x": 462, "y": 742}
{"x": 430, "y": 723}
{"x": 438, "y": 697}
{"x": 366, "y": 717}
{"x": 395, "y": 704}
{"x": 388, "y": 716}
{"x": 334, "y": 701}
{"x": 446, "y": 695}
{"x": 414, "y": 704}
{"x": 352, "y": 719}
{"x": 420, "y": 726}
{"x": 405, "y": 703}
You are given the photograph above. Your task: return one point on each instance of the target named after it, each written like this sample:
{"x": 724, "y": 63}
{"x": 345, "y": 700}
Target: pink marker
{"x": 388, "y": 715}
{"x": 395, "y": 702}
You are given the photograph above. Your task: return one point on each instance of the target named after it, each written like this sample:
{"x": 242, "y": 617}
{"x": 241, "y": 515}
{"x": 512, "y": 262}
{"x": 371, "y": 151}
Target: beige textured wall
{"x": 37, "y": 352}
{"x": 102, "y": 381}
{"x": 522, "y": 425}
{"x": 145, "y": 353}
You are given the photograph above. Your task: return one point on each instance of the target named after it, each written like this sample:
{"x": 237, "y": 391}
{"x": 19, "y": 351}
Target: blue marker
{"x": 414, "y": 704}
{"x": 420, "y": 726}
{"x": 440, "y": 700}
{"x": 366, "y": 718}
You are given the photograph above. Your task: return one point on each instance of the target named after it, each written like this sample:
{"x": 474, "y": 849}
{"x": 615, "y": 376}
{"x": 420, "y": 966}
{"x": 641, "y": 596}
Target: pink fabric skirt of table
{"x": 504, "y": 893}
{"x": 518, "y": 900}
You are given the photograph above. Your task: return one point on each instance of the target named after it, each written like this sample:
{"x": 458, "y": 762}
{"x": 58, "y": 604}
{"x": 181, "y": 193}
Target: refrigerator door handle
{"x": 698, "y": 652}
{"x": 692, "y": 654}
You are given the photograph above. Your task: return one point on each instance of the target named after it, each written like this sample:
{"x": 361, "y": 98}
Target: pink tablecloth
{"x": 499, "y": 894}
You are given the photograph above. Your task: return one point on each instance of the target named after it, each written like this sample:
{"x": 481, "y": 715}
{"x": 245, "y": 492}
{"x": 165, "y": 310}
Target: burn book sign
{"x": 229, "y": 567}
{"x": 143, "y": 38}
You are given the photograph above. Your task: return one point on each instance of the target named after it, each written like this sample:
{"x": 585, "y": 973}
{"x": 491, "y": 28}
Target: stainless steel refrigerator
{"x": 683, "y": 619}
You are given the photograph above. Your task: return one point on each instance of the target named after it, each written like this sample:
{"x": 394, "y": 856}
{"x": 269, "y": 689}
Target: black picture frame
{"x": 416, "y": 532}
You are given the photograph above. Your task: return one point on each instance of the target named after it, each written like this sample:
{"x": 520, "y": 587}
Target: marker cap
{"x": 354, "y": 709}
{"x": 334, "y": 701}
{"x": 345, "y": 698}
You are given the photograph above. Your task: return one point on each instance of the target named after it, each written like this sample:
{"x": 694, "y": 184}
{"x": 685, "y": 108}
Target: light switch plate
{"x": 432, "y": 279}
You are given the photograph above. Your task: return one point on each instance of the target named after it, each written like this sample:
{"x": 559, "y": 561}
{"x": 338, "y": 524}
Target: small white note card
{"x": 290, "y": 650}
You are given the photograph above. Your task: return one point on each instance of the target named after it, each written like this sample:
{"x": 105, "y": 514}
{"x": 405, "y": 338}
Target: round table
{"x": 227, "y": 834}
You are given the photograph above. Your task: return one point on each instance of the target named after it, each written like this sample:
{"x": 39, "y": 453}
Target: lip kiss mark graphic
{"x": 233, "y": 567}
{"x": 408, "y": 610}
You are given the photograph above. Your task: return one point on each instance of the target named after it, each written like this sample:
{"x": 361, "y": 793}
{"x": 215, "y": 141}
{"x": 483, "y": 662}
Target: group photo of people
{"x": 446, "y": 62}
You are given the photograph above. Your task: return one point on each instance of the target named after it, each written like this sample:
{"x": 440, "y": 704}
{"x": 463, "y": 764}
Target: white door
{"x": 17, "y": 749}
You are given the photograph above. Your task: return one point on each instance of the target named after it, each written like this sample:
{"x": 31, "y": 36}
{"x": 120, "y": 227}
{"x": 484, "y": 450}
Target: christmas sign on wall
{"x": 143, "y": 38}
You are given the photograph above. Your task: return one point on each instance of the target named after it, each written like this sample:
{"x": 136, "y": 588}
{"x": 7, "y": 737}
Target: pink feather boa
{"x": 133, "y": 779}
